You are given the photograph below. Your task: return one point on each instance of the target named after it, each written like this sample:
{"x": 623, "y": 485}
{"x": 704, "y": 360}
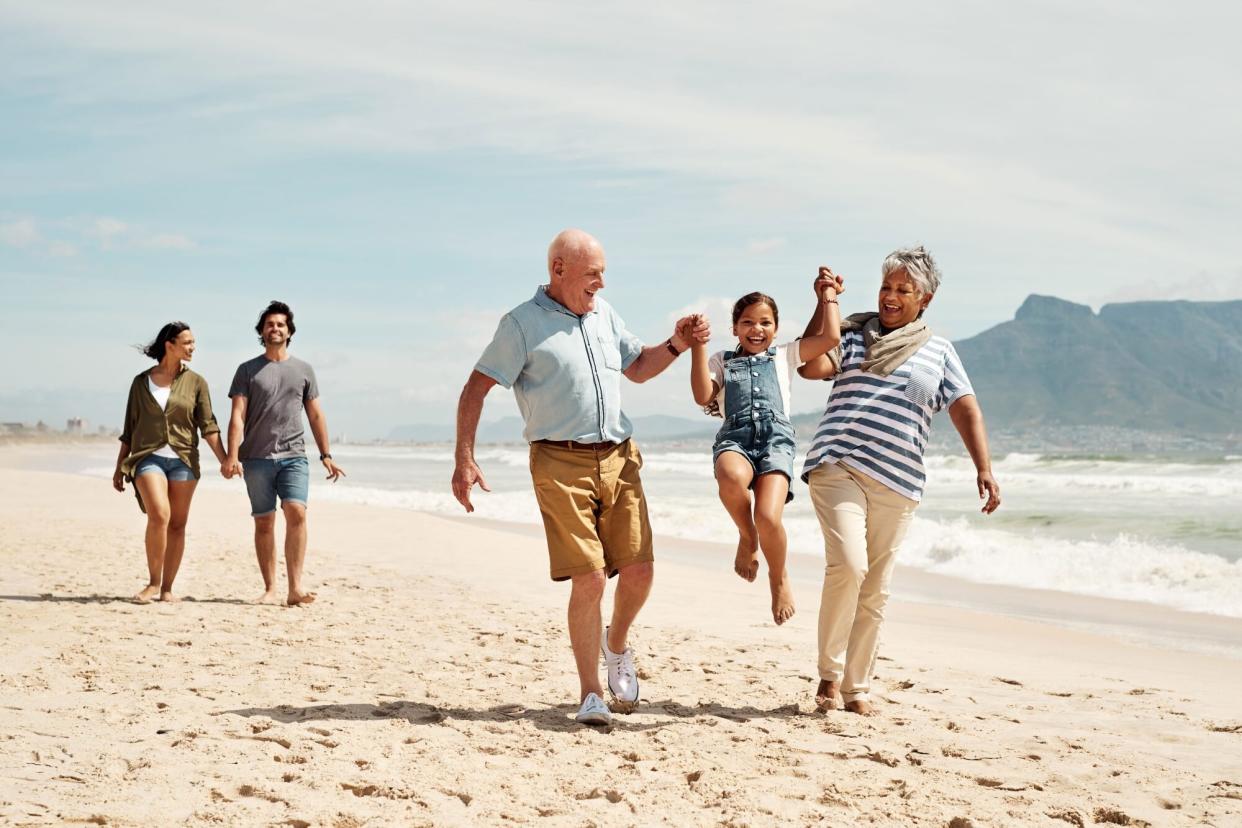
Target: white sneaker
{"x": 622, "y": 676}
{"x": 594, "y": 711}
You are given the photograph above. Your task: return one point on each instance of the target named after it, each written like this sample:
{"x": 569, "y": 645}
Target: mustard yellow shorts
{"x": 594, "y": 511}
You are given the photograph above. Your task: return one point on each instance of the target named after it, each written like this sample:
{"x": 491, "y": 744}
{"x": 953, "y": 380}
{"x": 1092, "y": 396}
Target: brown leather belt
{"x": 576, "y": 446}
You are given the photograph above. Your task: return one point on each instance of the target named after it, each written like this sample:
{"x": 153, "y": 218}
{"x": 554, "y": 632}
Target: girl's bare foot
{"x": 828, "y": 696}
{"x": 168, "y": 598}
{"x": 782, "y": 600}
{"x": 301, "y": 599}
{"x": 862, "y": 708}
{"x": 746, "y": 564}
{"x": 147, "y": 595}
{"x": 269, "y": 597}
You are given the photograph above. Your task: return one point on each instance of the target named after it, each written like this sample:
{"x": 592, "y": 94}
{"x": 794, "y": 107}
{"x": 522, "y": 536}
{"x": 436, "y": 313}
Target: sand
{"x": 432, "y": 683}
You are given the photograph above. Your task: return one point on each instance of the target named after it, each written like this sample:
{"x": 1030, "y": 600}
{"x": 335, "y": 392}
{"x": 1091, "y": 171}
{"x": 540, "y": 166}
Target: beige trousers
{"x": 863, "y": 522}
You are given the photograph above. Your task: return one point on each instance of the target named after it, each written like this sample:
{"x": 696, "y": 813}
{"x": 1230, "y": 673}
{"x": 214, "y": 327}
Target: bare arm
{"x": 118, "y": 477}
{"x": 237, "y": 422}
{"x": 469, "y": 408}
{"x": 827, "y": 310}
{"x": 655, "y": 358}
{"x": 319, "y": 428}
{"x": 217, "y": 447}
{"x": 702, "y": 386}
{"x": 823, "y": 332}
{"x": 967, "y": 418}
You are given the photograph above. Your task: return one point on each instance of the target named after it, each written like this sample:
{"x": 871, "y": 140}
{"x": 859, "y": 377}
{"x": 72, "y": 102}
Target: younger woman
{"x": 169, "y": 406}
{"x": 749, "y": 387}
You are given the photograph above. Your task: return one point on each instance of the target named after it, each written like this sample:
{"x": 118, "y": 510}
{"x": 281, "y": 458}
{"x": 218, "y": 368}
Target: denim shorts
{"x": 768, "y": 443}
{"x": 171, "y": 467}
{"x": 288, "y": 477}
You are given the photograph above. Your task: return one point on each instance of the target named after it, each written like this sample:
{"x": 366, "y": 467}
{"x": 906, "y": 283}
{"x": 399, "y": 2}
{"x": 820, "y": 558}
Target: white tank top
{"x": 161, "y": 394}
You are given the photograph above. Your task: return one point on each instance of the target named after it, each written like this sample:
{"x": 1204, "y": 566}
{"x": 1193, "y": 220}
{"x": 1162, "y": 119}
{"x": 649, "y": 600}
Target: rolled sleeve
{"x": 131, "y": 419}
{"x": 204, "y": 418}
{"x": 630, "y": 345}
{"x": 505, "y": 357}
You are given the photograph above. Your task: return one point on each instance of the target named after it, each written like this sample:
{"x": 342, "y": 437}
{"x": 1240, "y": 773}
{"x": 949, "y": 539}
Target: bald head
{"x": 575, "y": 269}
{"x": 572, "y": 244}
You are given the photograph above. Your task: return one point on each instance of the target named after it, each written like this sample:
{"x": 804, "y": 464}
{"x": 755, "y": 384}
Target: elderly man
{"x": 563, "y": 352}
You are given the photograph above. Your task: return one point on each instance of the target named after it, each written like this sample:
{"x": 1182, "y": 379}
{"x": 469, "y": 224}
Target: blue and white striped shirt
{"x": 878, "y": 425}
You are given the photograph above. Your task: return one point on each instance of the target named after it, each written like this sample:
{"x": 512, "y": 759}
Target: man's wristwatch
{"x": 672, "y": 349}
{"x": 323, "y": 457}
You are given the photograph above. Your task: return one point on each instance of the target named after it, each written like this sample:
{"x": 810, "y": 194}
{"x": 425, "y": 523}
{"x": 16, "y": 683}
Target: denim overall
{"x": 756, "y": 424}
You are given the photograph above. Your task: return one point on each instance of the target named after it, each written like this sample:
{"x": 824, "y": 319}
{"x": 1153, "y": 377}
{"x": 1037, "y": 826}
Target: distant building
{"x": 75, "y": 425}
{"x": 12, "y": 428}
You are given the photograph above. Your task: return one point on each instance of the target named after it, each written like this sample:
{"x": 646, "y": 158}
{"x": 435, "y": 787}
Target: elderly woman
{"x": 865, "y": 464}
{"x": 168, "y": 408}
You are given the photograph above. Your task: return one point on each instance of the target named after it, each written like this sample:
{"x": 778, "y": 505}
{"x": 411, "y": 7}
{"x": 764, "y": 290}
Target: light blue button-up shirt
{"x": 565, "y": 369}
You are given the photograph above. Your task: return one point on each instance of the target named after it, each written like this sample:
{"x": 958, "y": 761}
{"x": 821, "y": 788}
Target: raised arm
{"x": 825, "y": 321}
{"x": 967, "y": 418}
{"x": 826, "y": 318}
{"x": 469, "y": 408}
{"x": 653, "y": 359}
{"x": 702, "y": 386}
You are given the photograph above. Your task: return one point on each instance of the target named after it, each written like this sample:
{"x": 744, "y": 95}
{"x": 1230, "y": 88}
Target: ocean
{"x": 1135, "y": 528}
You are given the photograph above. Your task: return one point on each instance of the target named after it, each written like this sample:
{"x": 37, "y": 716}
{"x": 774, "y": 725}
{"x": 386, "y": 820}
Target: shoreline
{"x": 1133, "y": 622}
{"x": 1123, "y": 620}
{"x": 432, "y": 684}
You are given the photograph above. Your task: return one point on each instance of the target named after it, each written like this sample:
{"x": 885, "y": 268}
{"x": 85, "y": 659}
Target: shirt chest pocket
{"x": 922, "y": 385}
{"x": 609, "y": 350}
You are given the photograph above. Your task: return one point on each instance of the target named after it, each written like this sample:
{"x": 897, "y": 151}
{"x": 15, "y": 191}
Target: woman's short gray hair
{"x": 918, "y": 265}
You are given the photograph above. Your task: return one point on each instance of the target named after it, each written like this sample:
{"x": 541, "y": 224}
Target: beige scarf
{"x": 885, "y": 352}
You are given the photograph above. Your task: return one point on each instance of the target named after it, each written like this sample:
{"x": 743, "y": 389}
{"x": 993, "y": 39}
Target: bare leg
{"x": 770, "y": 491}
{"x": 179, "y": 495}
{"x": 295, "y": 552}
{"x": 265, "y": 550}
{"x": 584, "y": 629}
{"x": 733, "y": 474}
{"x": 154, "y": 490}
{"x": 633, "y": 587}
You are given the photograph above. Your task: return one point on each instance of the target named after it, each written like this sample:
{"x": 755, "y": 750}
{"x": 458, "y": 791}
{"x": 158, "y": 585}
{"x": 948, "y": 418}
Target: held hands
{"x": 989, "y": 488}
{"x": 828, "y": 285}
{"x": 465, "y": 475}
{"x": 230, "y": 469}
{"x": 334, "y": 471}
{"x": 691, "y": 330}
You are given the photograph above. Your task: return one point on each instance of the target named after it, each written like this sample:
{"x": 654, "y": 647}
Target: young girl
{"x": 749, "y": 387}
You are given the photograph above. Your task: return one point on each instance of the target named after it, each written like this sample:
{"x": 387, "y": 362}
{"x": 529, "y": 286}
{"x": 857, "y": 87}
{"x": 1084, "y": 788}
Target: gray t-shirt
{"x": 276, "y": 393}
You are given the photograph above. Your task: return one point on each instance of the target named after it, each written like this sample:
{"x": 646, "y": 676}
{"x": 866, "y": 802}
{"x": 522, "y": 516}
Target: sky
{"x": 395, "y": 170}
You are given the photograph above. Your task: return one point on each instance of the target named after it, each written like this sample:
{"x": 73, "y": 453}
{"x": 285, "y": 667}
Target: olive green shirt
{"x": 178, "y": 425}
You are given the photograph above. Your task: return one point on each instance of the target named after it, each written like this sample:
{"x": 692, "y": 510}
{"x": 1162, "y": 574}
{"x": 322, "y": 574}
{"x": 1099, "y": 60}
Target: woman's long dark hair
{"x": 168, "y": 333}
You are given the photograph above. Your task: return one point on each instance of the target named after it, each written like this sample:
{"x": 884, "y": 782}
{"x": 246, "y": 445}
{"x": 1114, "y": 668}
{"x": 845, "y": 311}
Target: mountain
{"x": 1154, "y": 366}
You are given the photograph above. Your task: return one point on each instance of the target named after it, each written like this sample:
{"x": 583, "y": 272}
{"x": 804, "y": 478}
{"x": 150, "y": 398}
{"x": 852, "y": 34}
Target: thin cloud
{"x": 762, "y": 246}
{"x": 20, "y": 233}
{"x": 114, "y": 234}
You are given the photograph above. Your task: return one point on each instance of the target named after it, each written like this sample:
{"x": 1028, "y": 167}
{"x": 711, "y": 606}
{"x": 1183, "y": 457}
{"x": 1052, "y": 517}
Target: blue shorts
{"x": 768, "y": 444}
{"x": 288, "y": 477}
{"x": 172, "y": 468}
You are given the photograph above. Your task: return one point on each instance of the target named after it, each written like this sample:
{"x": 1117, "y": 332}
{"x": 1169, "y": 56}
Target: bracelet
{"x": 668, "y": 343}
{"x": 829, "y": 301}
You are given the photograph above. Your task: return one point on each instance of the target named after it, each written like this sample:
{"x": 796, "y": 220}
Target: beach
{"x": 432, "y": 683}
